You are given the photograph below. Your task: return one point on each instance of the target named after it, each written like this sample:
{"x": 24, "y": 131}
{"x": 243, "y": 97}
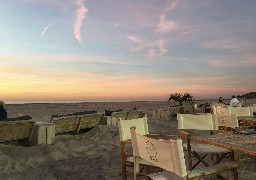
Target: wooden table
{"x": 245, "y": 144}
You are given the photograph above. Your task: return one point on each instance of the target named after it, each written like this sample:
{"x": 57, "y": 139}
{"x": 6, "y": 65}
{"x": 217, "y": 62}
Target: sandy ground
{"x": 94, "y": 154}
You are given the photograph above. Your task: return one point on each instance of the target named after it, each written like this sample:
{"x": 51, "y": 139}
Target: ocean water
{"x": 44, "y": 101}
{"x": 64, "y": 101}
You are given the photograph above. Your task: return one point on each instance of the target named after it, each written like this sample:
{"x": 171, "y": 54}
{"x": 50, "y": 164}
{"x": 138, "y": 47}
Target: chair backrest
{"x": 125, "y": 125}
{"x": 199, "y": 122}
{"x": 220, "y": 110}
{"x": 229, "y": 121}
{"x": 240, "y": 111}
{"x": 253, "y": 108}
{"x": 166, "y": 154}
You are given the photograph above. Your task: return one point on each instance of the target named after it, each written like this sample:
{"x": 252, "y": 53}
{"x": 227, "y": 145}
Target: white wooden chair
{"x": 240, "y": 111}
{"x": 220, "y": 110}
{"x": 125, "y": 138}
{"x": 169, "y": 155}
{"x": 206, "y": 122}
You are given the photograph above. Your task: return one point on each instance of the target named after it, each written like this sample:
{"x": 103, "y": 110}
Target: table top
{"x": 236, "y": 142}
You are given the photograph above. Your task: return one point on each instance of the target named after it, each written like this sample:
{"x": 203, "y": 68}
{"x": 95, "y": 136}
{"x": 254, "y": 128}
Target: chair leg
{"x": 123, "y": 159}
{"x": 234, "y": 174}
{"x": 219, "y": 158}
{"x": 234, "y": 171}
{"x": 200, "y": 159}
{"x": 136, "y": 169}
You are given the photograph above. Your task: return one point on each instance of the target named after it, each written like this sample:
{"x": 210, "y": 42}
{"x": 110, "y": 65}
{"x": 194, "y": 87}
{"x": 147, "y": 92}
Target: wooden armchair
{"x": 125, "y": 139}
{"x": 169, "y": 155}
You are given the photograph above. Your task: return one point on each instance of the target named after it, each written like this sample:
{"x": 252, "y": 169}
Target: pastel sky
{"x": 114, "y": 50}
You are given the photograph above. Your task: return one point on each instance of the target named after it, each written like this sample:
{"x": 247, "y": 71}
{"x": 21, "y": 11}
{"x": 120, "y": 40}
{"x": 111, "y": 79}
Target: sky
{"x": 125, "y": 50}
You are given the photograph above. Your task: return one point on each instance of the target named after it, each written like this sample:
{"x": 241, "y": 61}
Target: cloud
{"x": 165, "y": 26}
{"x": 170, "y": 6}
{"x": 159, "y": 50}
{"x": 153, "y": 48}
{"x": 45, "y": 29}
{"x": 134, "y": 38}
{"x": 80, "y": 15}
{"x": 151, "y": 53}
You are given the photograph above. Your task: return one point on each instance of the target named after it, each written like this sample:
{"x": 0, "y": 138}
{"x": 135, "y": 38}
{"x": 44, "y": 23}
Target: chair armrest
{"x": 127, "y": 141}
{"x": 182, "y": 133}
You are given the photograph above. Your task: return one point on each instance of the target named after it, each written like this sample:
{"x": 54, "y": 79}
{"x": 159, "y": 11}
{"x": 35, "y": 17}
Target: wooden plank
{"x": 134, "y": 114}
{"x": 16, "y": 130}
{"x": 75, "y": 123}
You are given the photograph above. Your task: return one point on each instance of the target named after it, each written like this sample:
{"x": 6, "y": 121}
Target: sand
{"x": 94, "y": 154}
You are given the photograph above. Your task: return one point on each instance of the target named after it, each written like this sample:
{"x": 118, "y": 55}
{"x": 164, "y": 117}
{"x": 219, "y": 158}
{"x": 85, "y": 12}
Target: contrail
{"x": 45, "y": 29}
{"x": 80, "y": 15}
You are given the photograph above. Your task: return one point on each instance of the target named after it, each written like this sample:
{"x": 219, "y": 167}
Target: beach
{"x": 94, "y": 154}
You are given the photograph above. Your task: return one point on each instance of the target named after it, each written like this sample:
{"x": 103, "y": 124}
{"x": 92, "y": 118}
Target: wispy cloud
{"x": 165, "y": 26}
{"x": 215, "y": 25}
{"x": 195, "y": 30}
{"x": 170, "y": 5}
{"x": 158, "y": 51}
{"x": 134, "y": 38}
{"x": 80, "y": 15}
{"x": 45, "y": 29}
{"x": 153, "y": 48}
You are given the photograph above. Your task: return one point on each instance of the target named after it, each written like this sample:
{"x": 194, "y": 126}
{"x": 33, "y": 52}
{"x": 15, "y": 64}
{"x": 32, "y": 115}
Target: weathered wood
{"x": 15, "y": 130}
{"x": 239, "y": 143}
{"x": 75, "y": 123}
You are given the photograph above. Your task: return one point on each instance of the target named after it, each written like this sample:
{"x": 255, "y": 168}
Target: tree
{"x": 179, "y": 97}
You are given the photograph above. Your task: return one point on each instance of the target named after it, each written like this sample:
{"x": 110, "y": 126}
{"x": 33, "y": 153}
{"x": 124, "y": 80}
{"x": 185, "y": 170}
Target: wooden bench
{"x": 125, "y": 115}
{"x": 75, "y": 123}
{"x": 34, "y": 133}
{"x": 16, "y": 130}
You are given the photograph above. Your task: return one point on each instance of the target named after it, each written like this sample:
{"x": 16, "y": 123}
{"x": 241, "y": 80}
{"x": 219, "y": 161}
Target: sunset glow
{"x": 126, "y": 50}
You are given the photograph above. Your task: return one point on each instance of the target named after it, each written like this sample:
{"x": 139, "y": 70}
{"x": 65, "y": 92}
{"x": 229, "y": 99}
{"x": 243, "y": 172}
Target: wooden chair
{"x": 169, "y": 155}
{"x": 240, "y": 111}
{"x": 253, "y": 108}
{"x": 220, "y": 110}
{"x": 125, "y": 138}
{"x": 203, "y": 122}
